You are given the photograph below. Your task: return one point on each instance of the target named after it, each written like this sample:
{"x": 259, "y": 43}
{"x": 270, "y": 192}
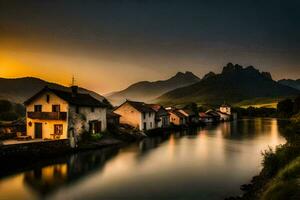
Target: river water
{"x": 205, "y": 163}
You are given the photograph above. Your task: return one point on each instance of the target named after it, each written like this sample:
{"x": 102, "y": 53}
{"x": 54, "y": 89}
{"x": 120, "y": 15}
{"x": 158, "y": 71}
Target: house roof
{"x": 177, "y": 113}
{"x": 155, "y": 107}
{"x": 205, "y": 115}
{"x": 223, "y": 113}
{"x": 140, "y": 106}
{"x": 80, "y": 99}
{"x": 111, "y": 114}
{"x": 225, "y": 105}
{"x": 212, "y": 112}
{"x": 188, "y": 112}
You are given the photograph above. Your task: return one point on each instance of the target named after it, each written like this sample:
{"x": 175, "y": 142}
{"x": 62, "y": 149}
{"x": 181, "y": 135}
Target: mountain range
{"x": 20, "y": 89}
{"x": 233, "y": 85}
{"x": 291, "y": 83}
{"x": 148, "y": 91}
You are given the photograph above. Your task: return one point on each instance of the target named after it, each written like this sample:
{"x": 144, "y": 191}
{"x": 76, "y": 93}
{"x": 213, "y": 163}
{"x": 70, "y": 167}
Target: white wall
{"x": 79, "y": 122}
{"x": 149, "y": 120}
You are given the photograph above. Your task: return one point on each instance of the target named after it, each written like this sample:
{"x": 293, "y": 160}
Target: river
{"x": 204, "y": 163}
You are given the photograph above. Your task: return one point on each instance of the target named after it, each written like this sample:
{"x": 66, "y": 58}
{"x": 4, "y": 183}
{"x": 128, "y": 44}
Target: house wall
{"x": 225, "y": 110}
{"x": 174, "y": 119}
{"x": 160, "y": 123}
{"x": 224, "y": 117}
{"x": 47, "y": 125}
{"x": 149, "y": 120}
{"x": 129, "y": 115}
{"x": 79, "y": 122}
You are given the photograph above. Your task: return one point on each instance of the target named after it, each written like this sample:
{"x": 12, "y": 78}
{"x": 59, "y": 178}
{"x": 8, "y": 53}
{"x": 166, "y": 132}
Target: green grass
{"x": 260, "y": 102}
{"x": 286, "y": 183}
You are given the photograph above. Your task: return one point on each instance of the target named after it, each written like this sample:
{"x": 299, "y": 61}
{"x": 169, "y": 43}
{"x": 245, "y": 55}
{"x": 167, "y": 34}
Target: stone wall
{"x": 34, "y": 149}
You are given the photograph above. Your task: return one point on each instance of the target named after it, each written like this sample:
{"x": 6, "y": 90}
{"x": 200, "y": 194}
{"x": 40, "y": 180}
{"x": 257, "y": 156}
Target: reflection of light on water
{"x": 217, "y": 155}
{"x": 13, "y": 188}
{"x": 274, "y": 132}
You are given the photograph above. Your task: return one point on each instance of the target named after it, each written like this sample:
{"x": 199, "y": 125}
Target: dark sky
{"x": 110, "y": 44}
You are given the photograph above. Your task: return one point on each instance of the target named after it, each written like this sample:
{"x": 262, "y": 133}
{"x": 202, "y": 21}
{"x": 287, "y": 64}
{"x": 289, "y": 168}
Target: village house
{"x": 225, "y": 112}
{"x": 136, "y": 114}
{"x": 190, "y": 115}
{"x": 206, "y": 118}
{"x": 176, "y": 117}
{"x": 60, "y": 114}
{"x": 162, "y": 116}
{"x": 215, "y": 115}
{"x": 113, "y": 119}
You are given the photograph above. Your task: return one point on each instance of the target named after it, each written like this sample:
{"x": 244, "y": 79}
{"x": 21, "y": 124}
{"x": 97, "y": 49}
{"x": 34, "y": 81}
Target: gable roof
{"x": 80, "y": 99}
{"x": 187, "y": 112}
{"x": 140, "y": 106}
{"x": 177, "y": 113}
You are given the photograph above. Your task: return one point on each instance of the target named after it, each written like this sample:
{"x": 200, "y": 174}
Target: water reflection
{"x": 205, "y": 163}
{"x": 45, "y": 180}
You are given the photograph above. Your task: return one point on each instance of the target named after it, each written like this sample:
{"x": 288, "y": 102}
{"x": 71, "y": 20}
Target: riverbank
{"x": 279, "y": 178}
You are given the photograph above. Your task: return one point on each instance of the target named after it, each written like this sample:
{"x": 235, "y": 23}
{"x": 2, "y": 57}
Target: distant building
{"x": 112, "y": 118}
{"x": 176, "y": 117}
{"x": 191, "y": 116}
{"x": 225, "y": 112}
{"x": 224, "y": 116}
{"x": 225, "y": 108}
{"x": 136, "y": 114}
{"x": 60, "y": 114}
{"x": 162, "y": 116}
{"x": 206, "y": 118}
{"x": 215, "y": 115}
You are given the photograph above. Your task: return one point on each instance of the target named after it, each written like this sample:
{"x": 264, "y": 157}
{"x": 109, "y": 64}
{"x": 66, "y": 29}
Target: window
{"x": 150, "y": 124}
{"x": 92, "y": 109}
{"x": 58, "y": 129}
{"x": 144, "y": 115}
{"x": 77, "y": 109}
{"x": 149, "y": 114}
{"x": 48, "y": 98}
{"x": 37, "y": 108}
{"x": 55, "y": 108}
{"x": 95, "y": 127}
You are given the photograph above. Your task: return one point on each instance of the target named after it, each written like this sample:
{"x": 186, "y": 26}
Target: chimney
{"x": 74, "y": 90}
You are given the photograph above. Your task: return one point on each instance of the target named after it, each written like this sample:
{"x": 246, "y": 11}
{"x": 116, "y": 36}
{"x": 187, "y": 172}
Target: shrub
{"x": 96, "y": 136}
{"x": 8, "y": 116}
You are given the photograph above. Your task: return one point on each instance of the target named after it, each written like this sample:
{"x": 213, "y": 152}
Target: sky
{"x": 108, "y": 44}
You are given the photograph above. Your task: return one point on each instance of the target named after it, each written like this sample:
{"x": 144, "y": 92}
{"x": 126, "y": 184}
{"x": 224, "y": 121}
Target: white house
{"x": 225, "y": 108}
{"x": 136, "y": 114}
{"x": 162, "y": 116}
{"x": 60, "y": 114}
{"x": 225, "y": 112}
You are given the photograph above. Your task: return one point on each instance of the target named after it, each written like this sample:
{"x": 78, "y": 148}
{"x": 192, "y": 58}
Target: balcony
{"x": 47, "y": 115}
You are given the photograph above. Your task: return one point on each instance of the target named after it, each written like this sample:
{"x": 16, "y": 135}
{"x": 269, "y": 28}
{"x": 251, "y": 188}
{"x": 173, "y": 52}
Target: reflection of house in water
{"x": 46, "y": 180}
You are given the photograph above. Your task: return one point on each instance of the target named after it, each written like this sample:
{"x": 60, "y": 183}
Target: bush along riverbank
{"x": 280, "y": 176}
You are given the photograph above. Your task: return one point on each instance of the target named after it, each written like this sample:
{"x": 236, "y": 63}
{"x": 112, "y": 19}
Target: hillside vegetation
{"x": 233, "y": 85}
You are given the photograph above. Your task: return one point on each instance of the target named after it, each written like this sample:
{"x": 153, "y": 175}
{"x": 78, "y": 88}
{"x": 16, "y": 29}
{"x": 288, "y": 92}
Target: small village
{"x": 53, "y": 114}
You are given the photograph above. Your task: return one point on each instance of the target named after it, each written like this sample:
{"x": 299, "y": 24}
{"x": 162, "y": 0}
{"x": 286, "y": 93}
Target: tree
{"x": 297, "y": 105}
{"x": 5, "y": 106}
{"x": 285, "y": 107}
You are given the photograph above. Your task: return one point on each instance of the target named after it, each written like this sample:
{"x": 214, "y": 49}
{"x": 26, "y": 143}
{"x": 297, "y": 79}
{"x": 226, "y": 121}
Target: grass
{"x": 286, "y": 183}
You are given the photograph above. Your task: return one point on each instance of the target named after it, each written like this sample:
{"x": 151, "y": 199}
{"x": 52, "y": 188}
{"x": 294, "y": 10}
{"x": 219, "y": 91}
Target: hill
{"x": 291, "y": 83}
{"x": 19, "y": 89}
{"x": 147, "y": 91}
{"x": 234, "y": 84}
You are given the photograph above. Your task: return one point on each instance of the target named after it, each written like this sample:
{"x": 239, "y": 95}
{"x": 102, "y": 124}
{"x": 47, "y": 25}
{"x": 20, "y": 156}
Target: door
{"x": 38, "y": 130}
{"x": 145, "y": 126}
